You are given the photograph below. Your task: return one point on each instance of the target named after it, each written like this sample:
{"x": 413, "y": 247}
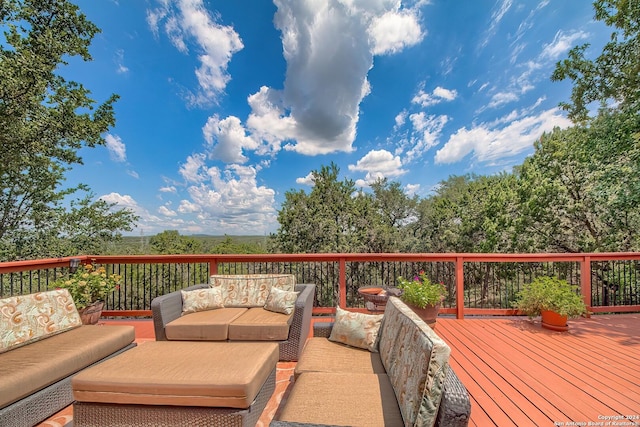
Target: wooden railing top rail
{"x": 15, "y": 266}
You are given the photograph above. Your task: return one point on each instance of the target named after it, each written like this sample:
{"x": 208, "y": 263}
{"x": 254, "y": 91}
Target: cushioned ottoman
{"x": 168, "y": 383}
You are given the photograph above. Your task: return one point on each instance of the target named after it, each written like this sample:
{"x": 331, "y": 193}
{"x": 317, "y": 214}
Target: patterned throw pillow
{"x": 356, "y": 329}
{"x": 281, "y": 301}
{"x": 201, "y": 300}
{"x": 29, "y": 318}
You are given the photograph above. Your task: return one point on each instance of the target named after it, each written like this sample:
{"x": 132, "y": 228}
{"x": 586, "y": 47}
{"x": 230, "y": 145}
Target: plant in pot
{"x": 554, "y": 299}
{"x": 423, "y": 296}
{"x": 89, "y": 286}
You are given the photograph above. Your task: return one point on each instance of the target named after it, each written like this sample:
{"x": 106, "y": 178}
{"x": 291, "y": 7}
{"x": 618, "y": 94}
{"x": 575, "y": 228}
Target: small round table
{"x": 376, "y": 297}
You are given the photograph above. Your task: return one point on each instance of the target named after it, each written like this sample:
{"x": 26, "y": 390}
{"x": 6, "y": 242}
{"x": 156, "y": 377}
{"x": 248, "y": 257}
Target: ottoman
{"x": 178, "y": 383}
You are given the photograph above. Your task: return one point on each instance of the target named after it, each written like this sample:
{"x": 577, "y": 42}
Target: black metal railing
{"x": 489, "y": 282}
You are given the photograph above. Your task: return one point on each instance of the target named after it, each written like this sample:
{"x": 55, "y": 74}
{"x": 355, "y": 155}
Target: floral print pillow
{"x": 281, "y": 301}
{"x": 356, "y": 329}
{"x": 250, "y": 290}
{"x": 29, "y": 318}
{"x": 201, "y": 300}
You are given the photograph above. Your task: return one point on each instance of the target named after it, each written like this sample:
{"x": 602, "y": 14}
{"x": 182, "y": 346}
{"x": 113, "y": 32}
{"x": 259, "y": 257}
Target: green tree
{"x": 44, "y": 121}
{"x": 580, "y": 190}
{"x": 171, "y": 242}
{"x": 333, "y": 217}
{"x": 393, "y": 214}
{"x": 468, "y": 214}
{"x": 613, "y": 78}
{"x": 229, "y": 246}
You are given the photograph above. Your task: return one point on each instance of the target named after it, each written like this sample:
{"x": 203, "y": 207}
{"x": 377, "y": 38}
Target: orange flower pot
{"x": 554, "y": 321}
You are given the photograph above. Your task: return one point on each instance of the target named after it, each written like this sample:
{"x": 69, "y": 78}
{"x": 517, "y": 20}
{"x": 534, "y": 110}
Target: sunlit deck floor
{"x": 519, "y": 374}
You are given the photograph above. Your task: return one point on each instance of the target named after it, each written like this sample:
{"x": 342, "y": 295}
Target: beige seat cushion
{"x": 370, "y": 401}
{"x": 212, "y": 374}
{"x": 258, "y": 324}
{"x": 210, "y": 325}
{"x": 32, "y": 367}
{"x": 322, "y": 355}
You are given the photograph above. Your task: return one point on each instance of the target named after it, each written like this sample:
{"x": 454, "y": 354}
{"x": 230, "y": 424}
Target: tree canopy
{"x": 44, "y": 121}
{"x": 613, "y": 78}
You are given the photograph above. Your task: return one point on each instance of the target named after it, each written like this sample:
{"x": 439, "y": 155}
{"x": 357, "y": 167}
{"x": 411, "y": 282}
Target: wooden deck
{"x": 519, "y": 374}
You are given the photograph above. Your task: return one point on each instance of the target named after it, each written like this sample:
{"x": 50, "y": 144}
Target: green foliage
{"x": 550, "y": 293}
{"x": 336, "y": 217}
{"x": 468, "y": 214}
{"x": 171, "y": 242}
{"x": 613, "y": 78}
{"x": 88, "y": 284}
{"x": 45, "y": 120}
{"x": 580, "y": 190}
{"x": 421, "y": 291}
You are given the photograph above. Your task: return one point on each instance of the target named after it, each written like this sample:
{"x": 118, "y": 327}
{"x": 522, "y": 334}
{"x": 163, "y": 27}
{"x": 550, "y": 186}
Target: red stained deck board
{"x": 574, "y": 361}
{"x": 537, "y": 407}
{"x": 597, "y": 365}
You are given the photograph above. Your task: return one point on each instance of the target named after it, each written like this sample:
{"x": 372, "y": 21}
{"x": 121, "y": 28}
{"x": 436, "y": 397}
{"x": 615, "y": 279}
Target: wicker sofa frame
{"x": 167, "y": 308}
{"x": 44, "y": 403}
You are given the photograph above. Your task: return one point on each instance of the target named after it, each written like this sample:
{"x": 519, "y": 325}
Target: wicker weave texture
{"x": 38, "y": 406}
{"x": 88, "y": 414}
{"x": 455, "y": 407}
{"x": 291, "y": 349}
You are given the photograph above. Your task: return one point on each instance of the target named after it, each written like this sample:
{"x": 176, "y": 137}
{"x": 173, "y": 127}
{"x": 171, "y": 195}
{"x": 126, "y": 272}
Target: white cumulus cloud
{"x": 395, "y": 30}
{"x": 378, "y": 164}
{"x": 438, "y": 95}
{"x": 189, "y": 23}
{"x": 426, "y": 133}
{"x": 489, "y": 142}
{"x": 231, "y": 201}
{"x": 329, "y": 48}
{"x": 117, "y": 149}
{"x": 227, "y": 139}
{"x": 562, "y": 43}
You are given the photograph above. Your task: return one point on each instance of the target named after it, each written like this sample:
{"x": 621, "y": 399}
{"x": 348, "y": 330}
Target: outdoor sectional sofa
{"x": 251, "y": 307}
{"x": 43, "y": 344}
{"x": 365, "y": 370}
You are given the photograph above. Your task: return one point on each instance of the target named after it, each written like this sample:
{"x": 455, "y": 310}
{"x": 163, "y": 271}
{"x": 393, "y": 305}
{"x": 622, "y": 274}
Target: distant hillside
{"x": 140, "y": 244}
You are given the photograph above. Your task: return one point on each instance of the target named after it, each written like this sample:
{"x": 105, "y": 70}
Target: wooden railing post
{"x": 585, "y": 282}
{"x": 459, "y": 287}
{"x": 342, "y": 282}
{"x": 213, "y": 266}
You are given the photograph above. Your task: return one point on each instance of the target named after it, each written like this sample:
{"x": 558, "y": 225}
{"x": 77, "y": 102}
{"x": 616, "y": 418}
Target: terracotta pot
{"x": 429, "y": 313}
{"x": 554, "y": 321}
{"x": 91, "y": 313}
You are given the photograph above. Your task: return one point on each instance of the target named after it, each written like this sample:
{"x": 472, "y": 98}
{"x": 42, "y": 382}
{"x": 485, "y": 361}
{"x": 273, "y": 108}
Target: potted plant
{"x": 554, "y": 299}
{"x": 89, "y": 285}
{"x": 423, "y": 296}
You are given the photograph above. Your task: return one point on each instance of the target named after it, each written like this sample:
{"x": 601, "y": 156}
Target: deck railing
{"x": 478, "y": 284}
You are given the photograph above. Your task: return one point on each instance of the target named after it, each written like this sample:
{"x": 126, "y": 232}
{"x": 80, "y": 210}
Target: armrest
{"x": 167, "y": 308}
{"x": 455, "y": 407}
{"x": 300, "y": 324}
{"x": 322, "y": 329}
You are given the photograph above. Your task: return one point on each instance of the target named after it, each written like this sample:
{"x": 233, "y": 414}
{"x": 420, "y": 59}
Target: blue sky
{"x": 226, "y": 105}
